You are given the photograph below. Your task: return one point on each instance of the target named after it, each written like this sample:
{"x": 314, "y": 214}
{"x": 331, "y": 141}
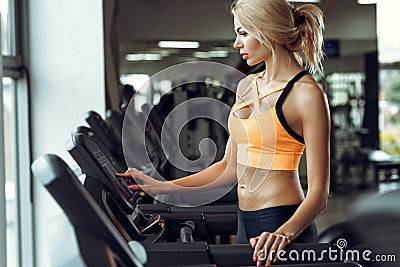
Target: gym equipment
{"x": 115, "y": 122}
{"x": 373, "y": 228}
{"x": 153, "y": 165}
{"x": 127, "y": 95}
{"x": 189, "y": 122}
{"x": 342, "y": 230}
{"x": 140, "y": 135}
{"x": 118, "y": 188}
{"x": 119, "y": 164}
{"x": 88, "y": 218}
{"x": 183, "y": 135}
{"x": 89, "y": 221}
{"x": 146, "y": 143}
{"x": 376, "y": 221}
{"x": 94, "y": 164}
{"x": 379, "y": 161}
{"x": 104, "y": 133}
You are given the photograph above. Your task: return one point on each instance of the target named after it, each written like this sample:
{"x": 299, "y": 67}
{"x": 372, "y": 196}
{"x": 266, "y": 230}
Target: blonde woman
{"x": 278, "y": 113}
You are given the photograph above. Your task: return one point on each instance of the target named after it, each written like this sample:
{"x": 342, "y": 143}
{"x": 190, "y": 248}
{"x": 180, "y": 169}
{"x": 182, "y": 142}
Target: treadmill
{"x": 121, "y": 203}
{"x": 144, "y": 142}
{"x": 97, "y": 235}
{"x": 104, "y": 133}
{"x": 89, "y": 219}
{"x": 113, "y": 142}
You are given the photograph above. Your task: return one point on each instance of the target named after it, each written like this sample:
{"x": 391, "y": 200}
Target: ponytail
{"x": 308, "y": 48}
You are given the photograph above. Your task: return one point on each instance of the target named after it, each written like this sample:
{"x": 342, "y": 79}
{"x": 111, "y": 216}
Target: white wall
{"x": 66, "y": 63}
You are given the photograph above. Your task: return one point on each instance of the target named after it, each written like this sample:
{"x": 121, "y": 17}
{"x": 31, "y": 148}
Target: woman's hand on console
{"x": 142, "y": 182}
{"x": 267, "y": 247}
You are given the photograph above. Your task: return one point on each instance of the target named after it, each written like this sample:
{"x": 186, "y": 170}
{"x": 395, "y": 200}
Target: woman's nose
{"x": 237, "y": 44}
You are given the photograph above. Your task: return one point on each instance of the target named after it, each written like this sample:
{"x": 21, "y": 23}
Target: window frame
{"x": 13, "y": 67}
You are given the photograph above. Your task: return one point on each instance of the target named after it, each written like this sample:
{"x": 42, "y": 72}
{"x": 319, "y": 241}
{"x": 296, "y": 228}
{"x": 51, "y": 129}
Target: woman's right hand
{"x": 145, "y": 182}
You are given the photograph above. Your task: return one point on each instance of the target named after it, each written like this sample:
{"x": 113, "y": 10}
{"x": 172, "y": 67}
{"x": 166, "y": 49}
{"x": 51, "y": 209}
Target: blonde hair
{"x": 276, "y": 21}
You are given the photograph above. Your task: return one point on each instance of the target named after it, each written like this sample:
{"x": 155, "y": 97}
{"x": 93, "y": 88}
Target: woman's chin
{"x": 251, "y": 63}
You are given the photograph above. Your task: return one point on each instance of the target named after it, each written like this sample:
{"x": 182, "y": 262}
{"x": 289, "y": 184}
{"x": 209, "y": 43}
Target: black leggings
{"x": 253, "y": 223}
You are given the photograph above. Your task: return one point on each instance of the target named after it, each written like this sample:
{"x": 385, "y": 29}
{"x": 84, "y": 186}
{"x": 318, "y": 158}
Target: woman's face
{"x": 249, "y": 47}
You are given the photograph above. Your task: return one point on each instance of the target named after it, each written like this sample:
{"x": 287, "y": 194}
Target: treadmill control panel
{"x": 119, "y": 184}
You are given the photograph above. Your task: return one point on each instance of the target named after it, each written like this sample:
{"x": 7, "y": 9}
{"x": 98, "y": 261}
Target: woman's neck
{"x": 282, "y": 67}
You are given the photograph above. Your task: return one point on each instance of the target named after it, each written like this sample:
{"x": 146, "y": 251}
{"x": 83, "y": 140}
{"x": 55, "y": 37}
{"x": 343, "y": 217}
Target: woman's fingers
{"x": 133, "y": 173}
{"x": 273, "y": 251}
{"x": 133, "y": 176}
{"x": 259, "y": 253}
{"x": 123, "y": 175}
{"x": 281, "y": 246}
{"x": 144, "y": 182}
{"x": 253, "y": 241}
{"x": 127, "y": 173}
{"x": 267, "y": 247}
{"x": 135, "y": 187}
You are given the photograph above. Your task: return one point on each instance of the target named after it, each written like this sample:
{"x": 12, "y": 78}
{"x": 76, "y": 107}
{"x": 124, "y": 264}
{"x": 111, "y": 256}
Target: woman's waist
{"x": 250, "y": 202}
{"x": 258, "y": 189}
{"x": 249, "y": 175}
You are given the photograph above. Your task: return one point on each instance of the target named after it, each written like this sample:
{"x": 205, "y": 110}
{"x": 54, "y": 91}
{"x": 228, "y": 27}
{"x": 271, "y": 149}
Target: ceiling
{"x": 142, "y": 23}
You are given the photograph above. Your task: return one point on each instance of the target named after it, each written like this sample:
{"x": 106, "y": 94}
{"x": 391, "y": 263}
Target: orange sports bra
{"x": 265, "y": 140}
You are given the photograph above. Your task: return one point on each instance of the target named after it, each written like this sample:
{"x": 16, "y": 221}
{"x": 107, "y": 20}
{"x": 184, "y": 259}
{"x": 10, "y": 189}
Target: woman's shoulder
{"x": 307, "y": 89}
{"x": 308, "y": 93}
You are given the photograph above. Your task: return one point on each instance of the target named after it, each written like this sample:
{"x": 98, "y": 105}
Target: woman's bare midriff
{"x": 259, "y": 188}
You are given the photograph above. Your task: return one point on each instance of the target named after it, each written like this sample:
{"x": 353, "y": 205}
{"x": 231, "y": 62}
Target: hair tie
{"x": 298, "y": 19}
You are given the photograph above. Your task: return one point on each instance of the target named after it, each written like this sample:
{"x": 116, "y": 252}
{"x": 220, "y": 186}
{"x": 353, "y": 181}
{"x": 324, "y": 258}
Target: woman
{"x": 277, "y": 113}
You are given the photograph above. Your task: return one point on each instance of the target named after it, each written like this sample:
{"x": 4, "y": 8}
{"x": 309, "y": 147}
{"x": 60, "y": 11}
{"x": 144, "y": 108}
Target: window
{"x": 389, "y": 107}
{"x": 15, "y": 237}
{"x": 7, "y": 27}
{"x": 389, "y": 78}
{"x": 10, "y": 172}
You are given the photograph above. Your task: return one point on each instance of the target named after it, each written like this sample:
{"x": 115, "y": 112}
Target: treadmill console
{"x": 94, "y": 163}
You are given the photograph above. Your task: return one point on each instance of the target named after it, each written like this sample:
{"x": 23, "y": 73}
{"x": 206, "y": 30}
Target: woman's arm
{"x": 316, "y": 131}
{"x": 218, "y": 174}
{"x": 313, "y": 109}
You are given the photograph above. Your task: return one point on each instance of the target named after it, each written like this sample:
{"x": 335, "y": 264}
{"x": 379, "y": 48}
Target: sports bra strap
{"x": 286, "y": 90}
{"x": 285, "y": 87}
{"x": 278, "y": 106}
{"x": 289, "y": 86}
{"x": 273, "y": 90}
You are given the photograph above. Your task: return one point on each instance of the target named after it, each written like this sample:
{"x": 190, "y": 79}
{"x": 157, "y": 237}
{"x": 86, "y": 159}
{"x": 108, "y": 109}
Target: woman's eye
{"x": 243, "y": 33}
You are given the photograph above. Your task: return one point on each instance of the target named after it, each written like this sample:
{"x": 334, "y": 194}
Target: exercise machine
{"x": 101, "y": 180}
{"x": 88, "y": 218}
